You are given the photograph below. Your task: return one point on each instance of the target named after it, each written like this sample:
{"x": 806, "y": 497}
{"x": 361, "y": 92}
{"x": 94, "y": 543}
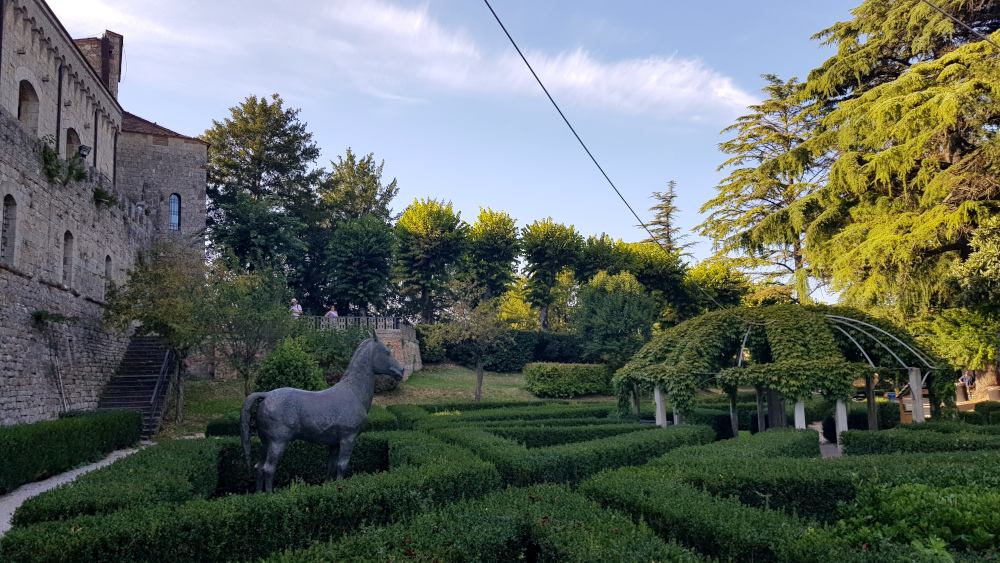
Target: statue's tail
{"x": 245, "y": 424}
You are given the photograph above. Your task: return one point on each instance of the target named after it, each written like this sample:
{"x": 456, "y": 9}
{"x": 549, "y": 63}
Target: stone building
{"x": 63, "y": 240}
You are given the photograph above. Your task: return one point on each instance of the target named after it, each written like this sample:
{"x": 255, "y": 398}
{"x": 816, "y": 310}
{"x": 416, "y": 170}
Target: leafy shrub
{"x": 227, "y": 425}
{"x": 862, "y": 442}
{"x": 34, "y": 451}
{"x": 567, "y": 380}
{"x": 228, "y": 528}
{"x": 289, "y": 365}
{"x": 545, "y": 436}
{"x": 971, "y": 418}
{"x": 380, "y": 420}
{"x": 544, "y": 523}
{"x": 949, "y": 427}
{"x": 525, "y": 346}
{"x": 723, "y": 399}
{"x": 464, "y": 406}
{"x": 432, "y": 350}
{"x": 558, "y": 347}
{"x": 719, "y": 420}
{"x": 169, "y": 472}
{"x": 765, "y": 445}
{"x": 995, "y": 417}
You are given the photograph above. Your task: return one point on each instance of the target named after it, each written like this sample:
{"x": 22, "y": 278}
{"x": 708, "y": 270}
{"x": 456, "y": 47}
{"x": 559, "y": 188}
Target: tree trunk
{"x": 487, "y": 292}
{"x": 425, "y": 305}
{"x": 734, "y": 418}
{"x": 636, "y": 410}
{"x": 761, "y": 425}
{"x": 479, "y": 378}
{"x": 180, "y": 393}
{"x": 776, "y": 409}
{"x": 870, "y": 396}
{"x": 544, "y": 317}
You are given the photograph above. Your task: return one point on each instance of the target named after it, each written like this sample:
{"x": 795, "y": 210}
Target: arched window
{"x": 175, "y": 212}
{"x": 72, "y": 143}
{"x": 27, "y": 107}
{"x": 9, "y": 230}
{"x": 107, "y": 267}
{"x": 67, "y": 273}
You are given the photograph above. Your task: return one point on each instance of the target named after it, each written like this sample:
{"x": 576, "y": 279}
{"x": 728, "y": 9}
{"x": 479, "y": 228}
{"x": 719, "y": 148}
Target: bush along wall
{"x": 35, "y": 451}
{"x": 567, "y": 380}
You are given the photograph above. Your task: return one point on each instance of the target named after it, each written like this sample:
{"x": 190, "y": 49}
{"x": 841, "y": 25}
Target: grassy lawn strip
{"x": 544, "y": 523}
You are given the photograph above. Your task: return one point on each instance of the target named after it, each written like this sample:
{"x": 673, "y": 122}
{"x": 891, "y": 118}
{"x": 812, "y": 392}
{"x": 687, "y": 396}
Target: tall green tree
{"x": 361, "y": 259}
{"x": 493, "y": 248}
{"x": 430, "y": 239}
{"x": 665, "y": 231}
{"x": 758, "y": 217}
{"x": 917, "y": 161}
{"x": 549, "y": 248}
{"x": 354, "y": 188}
{"x": 615, "y": 318}
{"x": 257, "y": 231}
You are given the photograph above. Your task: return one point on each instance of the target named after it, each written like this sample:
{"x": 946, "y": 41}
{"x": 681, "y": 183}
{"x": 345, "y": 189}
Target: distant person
{"x": 296, "y": 309}
{"x": 969, "y": 381}
{"x": 332, "y": 312}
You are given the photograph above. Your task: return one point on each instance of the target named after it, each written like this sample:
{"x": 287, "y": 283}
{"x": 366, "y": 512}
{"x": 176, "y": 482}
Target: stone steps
{"x": 135, "y": 381}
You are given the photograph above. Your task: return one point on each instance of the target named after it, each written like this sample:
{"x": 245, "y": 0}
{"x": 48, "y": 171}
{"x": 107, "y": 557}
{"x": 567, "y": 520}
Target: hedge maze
{"x": 539, "y": 482}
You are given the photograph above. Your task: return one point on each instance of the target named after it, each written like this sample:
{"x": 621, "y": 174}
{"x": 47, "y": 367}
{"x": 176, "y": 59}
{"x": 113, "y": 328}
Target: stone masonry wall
{"x": 152, "y": 167}
{"x": 33, "y": 266}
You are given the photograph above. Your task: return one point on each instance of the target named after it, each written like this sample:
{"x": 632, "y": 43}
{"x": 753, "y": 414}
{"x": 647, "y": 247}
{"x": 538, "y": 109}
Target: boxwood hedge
{"x": 566, "y": 380}
{"x": 379, "y": 420}
{"x": 864, "y": 442}
{"x": 543, "y": 523}
{"x": 30, "y": 452}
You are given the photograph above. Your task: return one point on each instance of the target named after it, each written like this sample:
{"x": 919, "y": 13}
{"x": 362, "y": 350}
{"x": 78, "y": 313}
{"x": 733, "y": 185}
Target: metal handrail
{"x": 159, "y": 380}
{"x": 383, "y": 323}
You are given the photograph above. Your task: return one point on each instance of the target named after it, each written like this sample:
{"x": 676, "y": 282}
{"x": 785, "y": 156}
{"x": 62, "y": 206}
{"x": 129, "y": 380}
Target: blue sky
{"x": 434, "y": 88}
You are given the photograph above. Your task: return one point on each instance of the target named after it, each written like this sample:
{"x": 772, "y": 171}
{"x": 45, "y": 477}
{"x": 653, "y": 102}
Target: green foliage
{"x": 534, "y": 412}
{"x": 55, "y": 168}
{"x": 520, "y": 466}
{"x": 430, "y": 242}
{"x": 257, "y": 230}
{"x": 549, "y": 523}
{"x": 987, "y": 408}
{"x": 857, "y": 418}
{"x": 289, "y": 365}
{"x": 172, "y": 472}
{"x": 225, "y": 529}
{"x": 566, "y": 380}
{"x": 493, "y": 250}
{"x": 549, "y": 248}
{"x": 354, "y": 189}
{"x": 360, "y": 258}
{"x": 104, "y": 198}
{"x": 332, "y": 349}
{"x": 42, "y": 318}
{"x": 407, "y": 415}
{"x": 538, "y": 436}
{"x": 35, "y": 451}
{"x": 522, "y": 347}
{"x": 614, "y": 319}
{"x": 860, "y": 442}
{"x": 666, "y": 233}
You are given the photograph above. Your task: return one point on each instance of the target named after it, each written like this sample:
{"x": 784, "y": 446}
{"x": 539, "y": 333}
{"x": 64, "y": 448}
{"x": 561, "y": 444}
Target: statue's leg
{"x": 258, "y": 468}
{"x": 346, "y": 447}
{"x": 275, "y": 450}
{"x": 331, "y": 462}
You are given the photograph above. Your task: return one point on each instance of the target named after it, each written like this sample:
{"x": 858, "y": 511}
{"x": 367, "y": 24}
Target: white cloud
{"x": 385, "y": 50}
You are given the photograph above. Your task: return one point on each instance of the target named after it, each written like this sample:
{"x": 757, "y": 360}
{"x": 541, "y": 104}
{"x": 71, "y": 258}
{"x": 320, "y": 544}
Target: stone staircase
{"x": 136, "y": 381}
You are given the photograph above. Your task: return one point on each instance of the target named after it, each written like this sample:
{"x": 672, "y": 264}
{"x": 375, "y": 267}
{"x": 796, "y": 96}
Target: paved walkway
{"x": 10, "y": 502}
{"x": 826, "y": 449}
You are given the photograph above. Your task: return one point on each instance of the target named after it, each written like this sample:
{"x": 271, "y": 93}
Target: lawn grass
{"x": 208, "y": 399}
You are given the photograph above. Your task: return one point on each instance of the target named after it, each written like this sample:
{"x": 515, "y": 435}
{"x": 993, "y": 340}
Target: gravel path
{"x": 10, "y": 502}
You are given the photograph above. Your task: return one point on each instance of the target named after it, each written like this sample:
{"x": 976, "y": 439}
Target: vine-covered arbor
{"x": 786, "y": 352}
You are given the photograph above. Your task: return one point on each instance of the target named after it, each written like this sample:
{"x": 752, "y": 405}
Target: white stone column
{"x": 800, "y": 415}
{"x": 661, "y": 407}
{"x": 678, "y": 419}
{"x": 917, "y": 394}
{"x": 841, "y": 416}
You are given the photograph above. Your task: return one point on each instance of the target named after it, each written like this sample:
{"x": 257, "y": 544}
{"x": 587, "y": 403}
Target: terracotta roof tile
{"x": 132, "y": 123}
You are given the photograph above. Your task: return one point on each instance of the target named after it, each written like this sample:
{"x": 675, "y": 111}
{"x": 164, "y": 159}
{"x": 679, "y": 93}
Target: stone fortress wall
{"x": 58, "y": 246}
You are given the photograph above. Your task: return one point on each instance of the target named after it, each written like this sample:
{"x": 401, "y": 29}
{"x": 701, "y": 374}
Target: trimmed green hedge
{"x": 169, "y": 472}
{"x": 230, "y": 528}
{"x": 857, "y": 419}
{"x": 949, "y": 427}
{"x": 407, "y": 415}
{"x": 544, "y": 523}
{"x": 36, "y": 451}
{"x": 581, "y": 410}
{"x": 987, "y": 408}
{"x": 520, "y": 466}
{"x": 864, "y": 442}
{"x": 765, "y": 445}
{"x": 567, "y": 380}
{"x": 545, "y": 436}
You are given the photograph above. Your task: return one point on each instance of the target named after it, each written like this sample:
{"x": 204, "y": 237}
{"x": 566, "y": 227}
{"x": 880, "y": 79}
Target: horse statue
{"x": 334, "y": 417}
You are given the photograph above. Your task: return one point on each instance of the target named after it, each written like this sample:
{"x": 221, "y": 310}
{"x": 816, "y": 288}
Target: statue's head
{"x": 383, "y": 362}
